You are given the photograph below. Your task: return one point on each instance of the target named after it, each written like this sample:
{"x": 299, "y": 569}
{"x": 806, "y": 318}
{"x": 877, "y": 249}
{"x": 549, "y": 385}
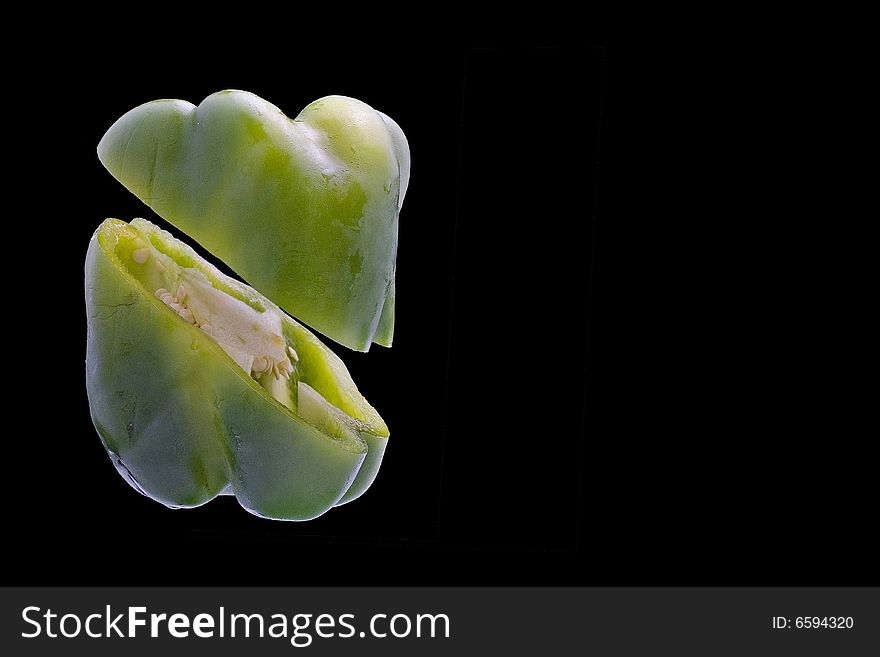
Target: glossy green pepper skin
{"x": 180, "y": 417}
{"x": 305, "y": 210}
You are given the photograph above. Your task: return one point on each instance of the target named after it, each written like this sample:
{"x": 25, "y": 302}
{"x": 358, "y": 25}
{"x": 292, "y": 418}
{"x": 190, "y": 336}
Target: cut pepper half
{"x": 199, "y": 385}
{"x": 305, "y": 210}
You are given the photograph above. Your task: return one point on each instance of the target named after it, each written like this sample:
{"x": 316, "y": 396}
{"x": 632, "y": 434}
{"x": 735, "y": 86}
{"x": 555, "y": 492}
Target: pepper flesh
{"x": 187, "y": 412}
{"x": 305, "y": 210}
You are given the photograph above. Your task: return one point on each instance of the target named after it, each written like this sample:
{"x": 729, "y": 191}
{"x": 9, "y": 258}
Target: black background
{"x": 569, "y": 402}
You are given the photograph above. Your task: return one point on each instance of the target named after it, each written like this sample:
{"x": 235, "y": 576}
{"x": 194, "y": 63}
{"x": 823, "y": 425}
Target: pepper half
{"x": 199, "y": 385}
{"x": 305, "y": 210}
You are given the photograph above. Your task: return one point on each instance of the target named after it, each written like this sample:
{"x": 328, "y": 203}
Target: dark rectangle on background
{"x": 508, "y": 621}
{"x": 516, "y": 435}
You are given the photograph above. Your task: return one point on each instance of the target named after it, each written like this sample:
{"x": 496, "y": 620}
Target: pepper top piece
{"x": 306, "y": 210}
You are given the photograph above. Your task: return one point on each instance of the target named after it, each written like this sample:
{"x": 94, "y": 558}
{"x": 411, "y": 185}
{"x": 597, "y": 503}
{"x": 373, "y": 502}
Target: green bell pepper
{"x": 199, "y": 385}
{"x": 305, "y": 210}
